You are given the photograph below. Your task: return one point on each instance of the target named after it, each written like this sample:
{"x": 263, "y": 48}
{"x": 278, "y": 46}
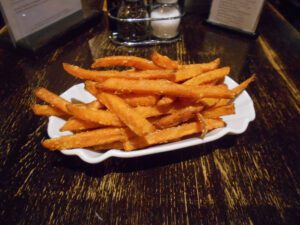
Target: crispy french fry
{"x": 153, "y": 120}
{"x": 85, "y": 139}
{"x": 154, "y": 111}
{"x": 170, "y": 134}
{"x": 203, "y": 124}
{"x": 178, "y": 117}
{"x": 209, "y": 76}
{"x": 129, "y": 61}
{"x": 163, "y": 61}
{"x": 52, "y": 99}
{"x": 94, "y": 105}
{"x": 219, "y": 111}
{"x": 137, "y": 123}
{"x": 209, "y": 102}
{"x": 165, "y": 100}
{"x": 99, "y": 116}
{"x": 183, "y": 74}
{"x": 99, "y": 76}
{"x": 205, "y": 102}
{"x": 75, "y": 125}
{"x": 213, "y": 91}
{"x": 103, "y": 147}
{"x": 157, "y": 87}
{"x": 151, "y": 111}
{"x": 139, "y": 100}
{"x": 131, "y": 98}
{"x": 46, "y": 110}
{"x": 240, "y": 88}
{"x": 186, "y": 72}
{"x": 204, "y": 66}
{"x": 212, "y": 95}
{"x": 148, "y": 74}
{"x": 90, "y": 86}
{"x": 237, "y": 91}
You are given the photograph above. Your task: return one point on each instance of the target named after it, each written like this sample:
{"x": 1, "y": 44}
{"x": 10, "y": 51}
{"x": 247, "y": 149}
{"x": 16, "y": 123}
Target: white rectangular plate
{"x": 236, "y": 124}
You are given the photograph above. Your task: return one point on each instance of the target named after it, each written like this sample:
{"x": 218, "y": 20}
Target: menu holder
{"x": 32, "y": 24}
{"x": 239, "y": 15}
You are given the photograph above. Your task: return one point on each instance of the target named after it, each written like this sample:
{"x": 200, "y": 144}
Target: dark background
{"x": 290, "y": 9}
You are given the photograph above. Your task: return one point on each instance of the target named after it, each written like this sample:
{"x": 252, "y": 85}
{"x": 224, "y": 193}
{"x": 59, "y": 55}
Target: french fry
{"x": 94, "y": 105}
{"x": 178, "y": 117}
{"x": 75, "y": 125}
{"x": 90, "y": 86}
{"x": 219, "y": 111}
{"x": 183, "y": 73}
{"x": 210, "y": 102}
{"x": 154, "y": 111}
{"x": 137, "y": 123}
{"x": 52, "y": 99}
{"x": 132, "y": 99}
{"x": 128, "y": 61}
{"x": 212, "y": 96}
{"x": 163, "y": 61}
{"x": 204, "y": 66}
{"x": 151, "y": 111}
{"x": 103, "y": 147}
{"x": 148, "y": 87}
{"x": 170, "y": 134}
{"x": 237, "y": 91}
{"x": 241, "y": 87}
{"x": 139, "y": 100}
{"x": 165, "y": 100}
{"x": 202, "y": 78}
{"x": 205, "y": 102}
{"x": 71, "y": 124}
{"x": 208, "y": 76}
{"x": 186, "y": 72}
{"x": 99, "y": 116}
{"x": 46, "y": 110}
{"x": 85, "y": 139}
{"x": 153, "y": 120}
{"x": 99, "y": 76}
{"x": 210, "y": 91}
{"x": 203, "y": 124}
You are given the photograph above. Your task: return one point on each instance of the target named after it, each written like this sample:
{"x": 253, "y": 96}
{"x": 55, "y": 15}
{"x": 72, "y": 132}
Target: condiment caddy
{"x": 137, "y": 23}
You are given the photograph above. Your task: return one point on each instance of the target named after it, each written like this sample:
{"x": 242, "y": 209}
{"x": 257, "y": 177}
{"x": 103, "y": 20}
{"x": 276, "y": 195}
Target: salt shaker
{"x": 168, "y": 28}
{"x": 133, "y": 31}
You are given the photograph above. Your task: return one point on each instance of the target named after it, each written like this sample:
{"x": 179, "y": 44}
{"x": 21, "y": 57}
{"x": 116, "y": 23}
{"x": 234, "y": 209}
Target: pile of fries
{"x": 154, "y": 101}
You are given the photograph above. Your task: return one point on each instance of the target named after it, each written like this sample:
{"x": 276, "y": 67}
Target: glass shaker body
{"x": 133, "y": 31}
{"x": 168, "y": 28}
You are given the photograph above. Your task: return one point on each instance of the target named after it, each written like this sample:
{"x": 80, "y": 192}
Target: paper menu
{"x": 25, "y": 17}
{"x": 239, "y": 14}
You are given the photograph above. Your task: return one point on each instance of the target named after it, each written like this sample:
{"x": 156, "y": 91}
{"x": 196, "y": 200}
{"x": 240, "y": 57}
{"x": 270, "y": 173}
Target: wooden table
{"x": 252, "y": 178}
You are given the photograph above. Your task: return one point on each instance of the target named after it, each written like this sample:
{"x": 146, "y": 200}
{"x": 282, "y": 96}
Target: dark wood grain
{"x": 252, "y": 178}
